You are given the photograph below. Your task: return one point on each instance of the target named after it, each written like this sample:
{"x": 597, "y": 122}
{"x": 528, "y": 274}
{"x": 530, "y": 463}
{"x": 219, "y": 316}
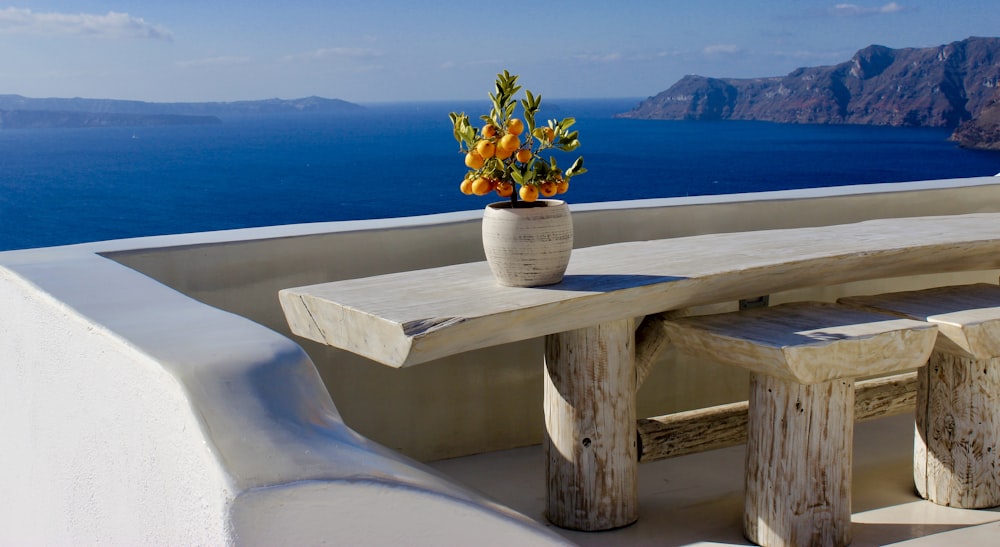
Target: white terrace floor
{"x": 697, "y": 499}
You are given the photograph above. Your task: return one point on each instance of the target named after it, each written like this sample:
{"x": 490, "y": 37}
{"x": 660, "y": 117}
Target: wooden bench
{"x": 407, "y": 318}
{"x": 956, "y": 452}
{"x": 803, "y": 360}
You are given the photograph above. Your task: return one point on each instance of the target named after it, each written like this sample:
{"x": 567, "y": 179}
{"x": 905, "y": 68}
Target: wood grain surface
{"x": 408, "y": 318}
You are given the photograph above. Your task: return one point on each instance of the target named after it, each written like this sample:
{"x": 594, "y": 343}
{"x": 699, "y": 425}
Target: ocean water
{"x": 61, "y": 186}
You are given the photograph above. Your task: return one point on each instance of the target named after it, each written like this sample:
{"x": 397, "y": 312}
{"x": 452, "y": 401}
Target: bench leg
{"x": 590, "y": 446}
{"x": 956, "y": 457}
{"x": 799, "y": 452}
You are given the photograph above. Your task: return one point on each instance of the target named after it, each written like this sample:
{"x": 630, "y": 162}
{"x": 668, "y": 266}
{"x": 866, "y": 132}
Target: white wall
{"x": 135, "y": 415}
{"x": 95, "y": 434}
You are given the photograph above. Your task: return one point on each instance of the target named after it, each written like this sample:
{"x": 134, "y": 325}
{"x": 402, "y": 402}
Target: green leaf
{"x": 529, "y": 116}
{"x": 569, "y": 145}
{"x": 517, "y": 176}
{"x": 454, "y": 126}
{"x": 459, "y": 123}
{"x": 469, "y": 135}
{"x": 569, "y": 141}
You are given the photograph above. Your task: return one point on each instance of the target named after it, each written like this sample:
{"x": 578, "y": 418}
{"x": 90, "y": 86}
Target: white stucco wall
{"x": 96, "y": 435}
{"x": 135, "y": 415}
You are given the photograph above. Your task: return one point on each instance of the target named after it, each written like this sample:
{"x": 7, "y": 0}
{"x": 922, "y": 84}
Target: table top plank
{"x": 406, "y": 318}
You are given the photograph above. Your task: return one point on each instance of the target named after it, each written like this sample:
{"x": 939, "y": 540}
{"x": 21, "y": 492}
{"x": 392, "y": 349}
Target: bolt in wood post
{"x": 590, "y": 446}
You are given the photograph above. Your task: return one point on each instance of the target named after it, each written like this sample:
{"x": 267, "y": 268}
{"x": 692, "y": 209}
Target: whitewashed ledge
{"x": 135, "y": 413}
{"x": 141, "y": 416}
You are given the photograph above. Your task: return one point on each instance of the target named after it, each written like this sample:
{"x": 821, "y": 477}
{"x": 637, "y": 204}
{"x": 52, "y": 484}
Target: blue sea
{"x": 61, "y": 186}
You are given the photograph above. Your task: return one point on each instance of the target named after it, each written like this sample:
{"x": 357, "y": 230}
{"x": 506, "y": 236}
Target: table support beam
{"x": 799, "y": 451}
{"x": 590, "y": 446}
{"x": 651, "y": 341}
{"x": 722, "y": 426}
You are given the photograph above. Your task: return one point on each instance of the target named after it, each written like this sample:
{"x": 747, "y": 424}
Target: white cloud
{"x": 599, "y": 57}
{"x": 814, "y": 55}
{"x": 112, "y": 24}
{"x": 721, "y": 49}
{"x": 335, "y": 53}
{"x": 854, "y": 9}
{"x": 653, "y": 55}
{"x": 463, "y": 65}
{"x": 214, "y": 62}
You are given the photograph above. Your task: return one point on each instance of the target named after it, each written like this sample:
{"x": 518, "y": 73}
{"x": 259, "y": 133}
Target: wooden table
{"x": 408, "y": 318}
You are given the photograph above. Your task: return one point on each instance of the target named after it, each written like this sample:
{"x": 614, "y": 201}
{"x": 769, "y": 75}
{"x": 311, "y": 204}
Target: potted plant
{"x": 527, "y": 240}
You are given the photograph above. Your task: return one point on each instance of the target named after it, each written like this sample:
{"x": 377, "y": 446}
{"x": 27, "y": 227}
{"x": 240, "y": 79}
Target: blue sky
{"x": 383, "y": 50}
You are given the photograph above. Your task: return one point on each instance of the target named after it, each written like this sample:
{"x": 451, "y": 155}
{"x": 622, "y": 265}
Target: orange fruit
{"x": 473, "y": 160}
{"x": 502, "y": 153}
{"x": 549, "y": 134}
{"x": 485, "y": 149}
{"x": 528, "y": 193}
{"x": 509, "y": 142}
{"x": 515, "y": 126}
{"x": 466, "y": 187}
{"x": 481, "y": 186}
{"x": 562, "y": 186}
{"x": 524, "y": 155}
{"x": 547, "y": 188}
{"x": 505, "y": 189}
{"x": 489, "y": 131}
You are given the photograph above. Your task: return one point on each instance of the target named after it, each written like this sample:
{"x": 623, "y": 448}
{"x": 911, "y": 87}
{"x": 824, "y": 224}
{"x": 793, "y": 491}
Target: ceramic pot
{"x": 528, "y": 245}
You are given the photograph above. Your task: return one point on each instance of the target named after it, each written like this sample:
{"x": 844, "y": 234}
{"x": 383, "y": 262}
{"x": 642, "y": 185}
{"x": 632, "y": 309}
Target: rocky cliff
{"x": 983, "y": 131}
{"x": 942, "y": 86}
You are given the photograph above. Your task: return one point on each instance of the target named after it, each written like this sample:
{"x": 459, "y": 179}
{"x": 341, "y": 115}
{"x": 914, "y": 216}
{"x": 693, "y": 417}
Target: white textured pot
{"x": 528, "y": 246}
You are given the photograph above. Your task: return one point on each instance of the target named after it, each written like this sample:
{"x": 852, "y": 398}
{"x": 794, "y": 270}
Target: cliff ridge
{"x": 945, "y": 86}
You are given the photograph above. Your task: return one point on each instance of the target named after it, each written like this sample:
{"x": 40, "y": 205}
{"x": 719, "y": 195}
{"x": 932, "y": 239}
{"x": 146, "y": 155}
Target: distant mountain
{"x": 114, "y": 106}
{"x": 23, "y": 112}
{"x": 942, "y": 86}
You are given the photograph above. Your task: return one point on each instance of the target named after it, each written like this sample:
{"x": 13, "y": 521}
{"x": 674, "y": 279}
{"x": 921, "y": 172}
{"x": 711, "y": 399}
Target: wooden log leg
{"x": 799, "y": 452}
{"x": 590, "y": 448}
{"x": 955, "y": 452}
